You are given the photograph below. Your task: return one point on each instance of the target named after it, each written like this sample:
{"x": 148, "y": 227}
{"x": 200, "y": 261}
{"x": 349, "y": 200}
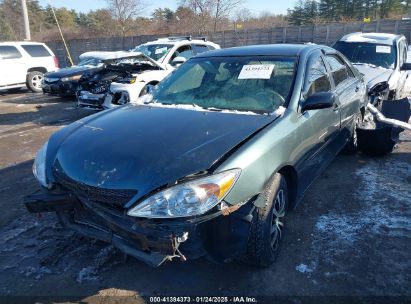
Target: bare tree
{"x": 203, "y": 10}
{"x": 125, "y": 11}
{"x": 223, "y": 9}
{"x": 211, "y": 12}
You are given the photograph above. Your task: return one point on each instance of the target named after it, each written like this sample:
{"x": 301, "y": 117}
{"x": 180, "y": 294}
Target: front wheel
{"x": 34, "y": 81}
{"x": 267, "y": 227}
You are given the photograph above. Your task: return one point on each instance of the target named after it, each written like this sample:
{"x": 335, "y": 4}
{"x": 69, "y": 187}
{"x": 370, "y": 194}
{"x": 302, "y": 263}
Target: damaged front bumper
{"x": 60, "y": 88}
{"x": 220, "y": 235}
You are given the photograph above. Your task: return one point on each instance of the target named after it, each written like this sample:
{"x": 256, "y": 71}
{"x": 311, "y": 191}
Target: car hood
{"x": 374, "y": 75}
{"x": 143, "y": 148}
{"x": 71, "y": 71}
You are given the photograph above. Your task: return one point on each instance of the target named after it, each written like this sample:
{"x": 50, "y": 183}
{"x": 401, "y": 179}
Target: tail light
{"x": 56, "y": 62}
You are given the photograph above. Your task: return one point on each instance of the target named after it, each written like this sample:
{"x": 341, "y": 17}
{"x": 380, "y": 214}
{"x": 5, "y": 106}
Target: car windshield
{"x": 154, "y": 51}
{"x": 258, "y": 84}
{"x": 370, "y": 53}
{"x": 90, "y": 62}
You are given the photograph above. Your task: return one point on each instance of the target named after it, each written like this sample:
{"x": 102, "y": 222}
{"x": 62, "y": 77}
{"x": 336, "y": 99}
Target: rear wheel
{"x": 267, "y": 228}
{"x": 34, "y": 81}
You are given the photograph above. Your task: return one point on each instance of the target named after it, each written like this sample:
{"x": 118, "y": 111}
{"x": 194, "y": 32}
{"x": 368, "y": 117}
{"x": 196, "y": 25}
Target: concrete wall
{"x": 320, "y": 34}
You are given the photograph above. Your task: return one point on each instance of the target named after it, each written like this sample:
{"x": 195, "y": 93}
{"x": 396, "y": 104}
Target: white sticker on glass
{"x": 161, "y": 50}
{"x": 385, "y": 49}
{"x": 256, "y": 71}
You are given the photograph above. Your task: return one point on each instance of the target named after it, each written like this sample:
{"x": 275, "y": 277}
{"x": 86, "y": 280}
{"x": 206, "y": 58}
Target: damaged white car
{"x": 151, "y": 63}
{"x": 382, "y": 59}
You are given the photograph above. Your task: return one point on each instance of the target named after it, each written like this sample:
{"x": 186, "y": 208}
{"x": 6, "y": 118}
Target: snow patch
{"x": 303, "y": 268}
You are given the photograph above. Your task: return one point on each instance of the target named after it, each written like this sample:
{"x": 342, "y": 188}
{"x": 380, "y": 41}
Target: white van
{"x": 24, "y": 64}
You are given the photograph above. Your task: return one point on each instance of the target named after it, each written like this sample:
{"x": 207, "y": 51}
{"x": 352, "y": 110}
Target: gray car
{"x": 381, "y": 58}
{"x": 209, "y": 163}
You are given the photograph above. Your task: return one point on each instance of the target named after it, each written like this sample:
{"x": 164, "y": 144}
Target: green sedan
{"x": 210, "y": 162}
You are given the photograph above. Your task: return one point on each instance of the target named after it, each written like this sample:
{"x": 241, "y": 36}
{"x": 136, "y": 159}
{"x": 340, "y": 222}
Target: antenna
{"x": 61, "y": 33}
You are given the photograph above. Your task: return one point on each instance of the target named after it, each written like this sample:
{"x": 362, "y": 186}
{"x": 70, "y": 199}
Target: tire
{"x": 34, "y": 80}
{"x": 267, "y": 227}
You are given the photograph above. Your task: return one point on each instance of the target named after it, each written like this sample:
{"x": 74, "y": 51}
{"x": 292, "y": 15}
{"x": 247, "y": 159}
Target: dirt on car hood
{"x": 144, "y": 148}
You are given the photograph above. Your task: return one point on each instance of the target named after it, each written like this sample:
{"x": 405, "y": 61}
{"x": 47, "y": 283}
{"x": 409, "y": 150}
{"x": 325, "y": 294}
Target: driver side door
{"x": 184, "y": 51}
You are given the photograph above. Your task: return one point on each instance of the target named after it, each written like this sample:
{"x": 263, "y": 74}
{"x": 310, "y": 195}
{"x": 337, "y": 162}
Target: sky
{"x": 256, "y": 6}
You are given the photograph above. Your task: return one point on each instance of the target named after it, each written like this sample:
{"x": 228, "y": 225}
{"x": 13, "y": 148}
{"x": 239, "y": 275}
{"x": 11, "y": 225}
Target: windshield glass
{"x": 371, "y": 53}
{"x": 154, "y": 51}
{"x": 90, "y": 62}
{"x": 259, "y": 84}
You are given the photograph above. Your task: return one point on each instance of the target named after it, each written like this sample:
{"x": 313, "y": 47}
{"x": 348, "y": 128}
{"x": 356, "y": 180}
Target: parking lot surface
{"x": 350, "y": 236}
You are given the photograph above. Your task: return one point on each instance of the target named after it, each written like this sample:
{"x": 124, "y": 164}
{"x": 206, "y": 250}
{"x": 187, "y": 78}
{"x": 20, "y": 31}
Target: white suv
{"x": 24, "y": 64}
{"x": 164, "y": 54}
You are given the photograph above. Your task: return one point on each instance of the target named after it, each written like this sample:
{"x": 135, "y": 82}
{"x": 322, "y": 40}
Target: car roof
{"x": 291, "y": 50}
{"x": 177, "y": 41}
{"x": 377, "y": 38}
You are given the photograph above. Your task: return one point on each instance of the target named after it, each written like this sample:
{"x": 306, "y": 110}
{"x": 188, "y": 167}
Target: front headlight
{"x": 72, "y": 78}
{"x": 128, "y": 80}
{"x": 39, "y": 166}
{"x": 188, "y": 199}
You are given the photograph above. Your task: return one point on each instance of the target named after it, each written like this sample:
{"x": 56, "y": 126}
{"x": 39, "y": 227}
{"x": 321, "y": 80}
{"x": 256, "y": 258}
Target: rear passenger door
{"x": 12, "y": 66}
{"x": 319, "y": 128}
{"x": 350, "y": 93}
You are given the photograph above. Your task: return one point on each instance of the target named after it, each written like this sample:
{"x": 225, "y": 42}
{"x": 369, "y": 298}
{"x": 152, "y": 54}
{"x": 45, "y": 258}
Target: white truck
{"x": 23, "y": 64}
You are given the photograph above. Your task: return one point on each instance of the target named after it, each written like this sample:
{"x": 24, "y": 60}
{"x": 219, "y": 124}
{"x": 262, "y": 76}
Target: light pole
{"x": 26, "y": 20}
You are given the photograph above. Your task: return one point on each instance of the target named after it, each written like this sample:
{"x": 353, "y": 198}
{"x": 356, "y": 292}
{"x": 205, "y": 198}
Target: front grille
{"x": 114, "y": 197}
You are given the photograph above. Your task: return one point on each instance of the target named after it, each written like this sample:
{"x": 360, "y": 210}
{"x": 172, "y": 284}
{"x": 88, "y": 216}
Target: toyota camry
{"x": 211, "y": 162}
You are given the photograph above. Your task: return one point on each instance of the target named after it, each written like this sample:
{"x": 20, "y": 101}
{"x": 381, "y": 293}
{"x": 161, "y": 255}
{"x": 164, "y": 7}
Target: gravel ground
{"x": 350, "y": 236}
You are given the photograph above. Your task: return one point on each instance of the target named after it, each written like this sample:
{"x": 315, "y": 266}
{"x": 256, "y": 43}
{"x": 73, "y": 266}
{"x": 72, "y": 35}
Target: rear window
{"x": 36, "y": 50}
{"x": 9, "y": 52}
{"x": 200, "y": 48}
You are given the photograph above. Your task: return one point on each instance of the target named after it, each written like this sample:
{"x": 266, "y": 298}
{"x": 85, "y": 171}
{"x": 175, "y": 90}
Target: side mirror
{"x": 178, "y": 61}
{"x": 317, "y": 101}
{"x": 406, "y": 66}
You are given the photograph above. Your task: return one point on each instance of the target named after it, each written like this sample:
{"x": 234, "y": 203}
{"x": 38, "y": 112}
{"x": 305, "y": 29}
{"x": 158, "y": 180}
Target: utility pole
{"x": 26, "y": 20}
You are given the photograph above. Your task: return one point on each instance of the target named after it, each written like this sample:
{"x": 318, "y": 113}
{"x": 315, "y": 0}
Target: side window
{"x": 200, "y": 48}
{"x": 36, "y": 50}
{"x": 184, "y": 51}
{"x": 211, "y": 48}
{"x": 9, "y": 52}
{"x": 190, "y": 80}
{"x": 339, "y": 69}
{"x": 317, "y": 77}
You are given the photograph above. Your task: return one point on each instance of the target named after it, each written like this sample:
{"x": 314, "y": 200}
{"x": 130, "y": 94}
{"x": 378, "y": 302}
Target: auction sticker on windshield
{"x": 256, "y": 71}
{"x": 385, "y": 49}
{"x": 161, "y": 50}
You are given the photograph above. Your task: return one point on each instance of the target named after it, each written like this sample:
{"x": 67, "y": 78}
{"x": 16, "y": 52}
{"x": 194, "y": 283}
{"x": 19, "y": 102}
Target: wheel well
{"x": 37, "y": 69}
{"x": 291, "y": 177}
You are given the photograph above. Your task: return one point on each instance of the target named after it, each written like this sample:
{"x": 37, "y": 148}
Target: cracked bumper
{"x": 146, "y": 244}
